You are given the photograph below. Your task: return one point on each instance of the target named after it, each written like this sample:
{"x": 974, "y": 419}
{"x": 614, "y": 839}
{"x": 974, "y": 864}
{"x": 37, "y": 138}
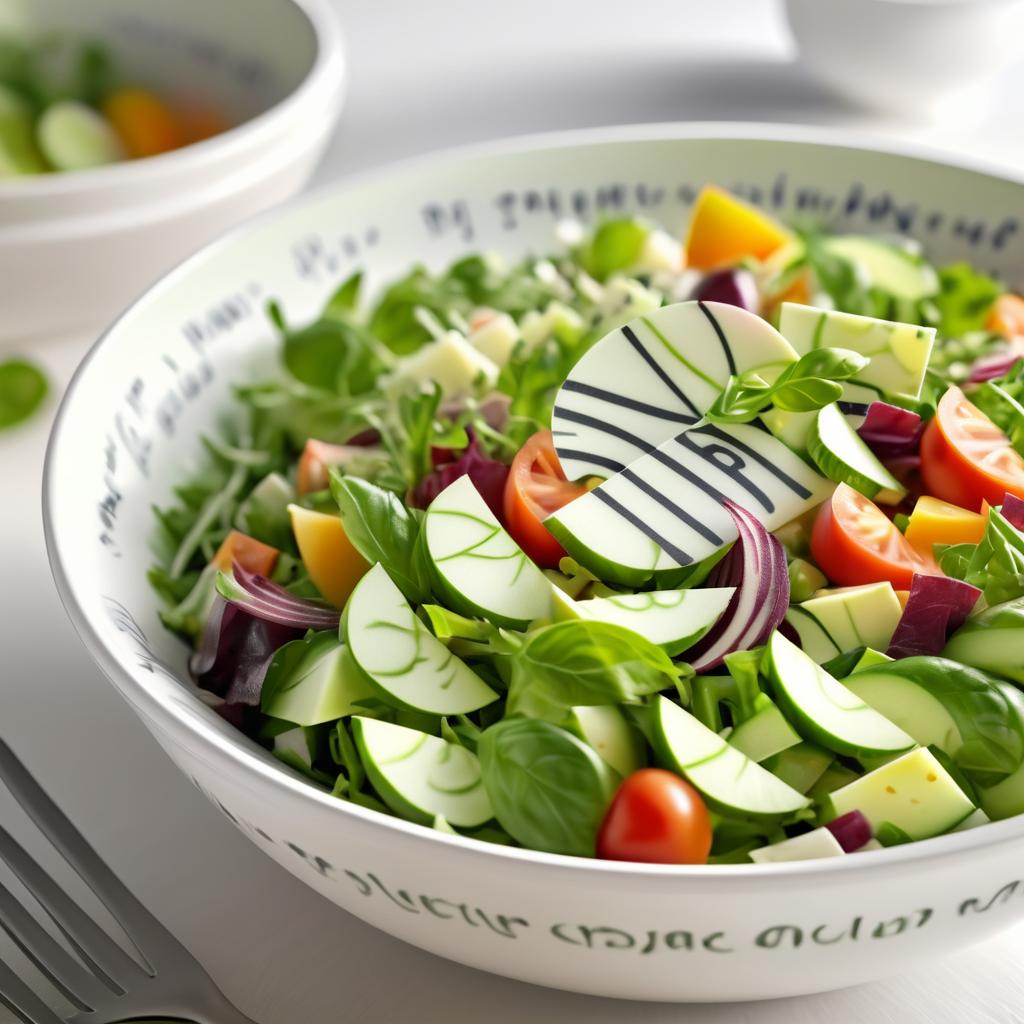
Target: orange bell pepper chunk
{"x": 144, "y": 122}
{"x": 939, "y": 522}
{"x": 251, "y": 554}
{"x": 724, "y": 230}
{"x": 1007, "y": 316}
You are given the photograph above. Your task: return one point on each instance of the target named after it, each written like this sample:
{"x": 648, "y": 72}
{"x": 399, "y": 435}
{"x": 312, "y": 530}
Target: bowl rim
{"x": 327, "y": 73}
{"x": 235, "y": 753}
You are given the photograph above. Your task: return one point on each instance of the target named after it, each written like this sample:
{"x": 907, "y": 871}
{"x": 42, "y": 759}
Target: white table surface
{"x": 426, "y": 75}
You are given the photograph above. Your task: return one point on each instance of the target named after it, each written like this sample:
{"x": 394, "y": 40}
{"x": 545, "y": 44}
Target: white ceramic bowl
{"x": 76, "y": 247}
{"x": 129, "y": 429}
{"x": 906, "y": 55}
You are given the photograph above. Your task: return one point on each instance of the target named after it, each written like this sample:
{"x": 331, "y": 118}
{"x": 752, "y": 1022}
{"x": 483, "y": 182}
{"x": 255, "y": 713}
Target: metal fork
{"x": 104, "y": 984}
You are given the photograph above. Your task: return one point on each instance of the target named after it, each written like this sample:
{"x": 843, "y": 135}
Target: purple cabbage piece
{"x": 891, "y": 432}
{"x": 734, "y": 286}
{"x": 852, "y": 830}
{"x": 235, "y": 652}
{"x": 756, "y": 567}
{"x": 264, "y": 599}
{"x": 1013, "y": 511}
{"x": 993, "y": 367}
{"x": 937, "y": 606}
{"x": 488, "y": 476}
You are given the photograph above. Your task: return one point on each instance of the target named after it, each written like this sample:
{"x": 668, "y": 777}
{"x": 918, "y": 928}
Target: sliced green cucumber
{"x": 842, "y": 456}
{"x": 478, "y": 566}
{"x": 72, "y": 136}
{"x": 764, "y": 734}
{"x": 421, "y": 776}
{"x": 408, "y": 665}
{"x": 834, "y": 777}
{"x": 729, "y": 780}
{"x": 324, "y": 685}
{"x": 993, "y": 641}
{"x": 672, "y": 619}
{"x": 663, "y": 517}
{"x": 896, "y": 271}
{"x": 845, "y": 619}
{"x": 824, "y": 710}
{"x": 801, "y": 766}
{"x": 914, "y": 793}
{"x": 605, "y": 728}
{"x": 899, "y": 352}
{"x": 1006, "y": 798}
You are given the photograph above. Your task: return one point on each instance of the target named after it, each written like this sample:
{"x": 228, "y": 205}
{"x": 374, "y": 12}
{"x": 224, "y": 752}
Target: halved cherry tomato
{"x": 317, "y": 458}
{"x": 251, "y": 554}
{"x": 966, "y": 458}
{"x": 535, "y": 488}
{"x": 145, "y": 123}
{"x": 657, "y": 818}
{"x": 854, "y": 542}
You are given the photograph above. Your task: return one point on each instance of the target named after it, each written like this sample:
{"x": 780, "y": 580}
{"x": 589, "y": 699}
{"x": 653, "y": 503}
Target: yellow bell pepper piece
{"x": 333, "y": 563}
{"x": 939, "y": 522}
{"x": 724, "y": 230}
{"x": 251, "y": 554}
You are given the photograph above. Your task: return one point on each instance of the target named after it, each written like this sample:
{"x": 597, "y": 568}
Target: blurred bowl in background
{"x": 75, "y": 247}
{"x": 906, "y": 55}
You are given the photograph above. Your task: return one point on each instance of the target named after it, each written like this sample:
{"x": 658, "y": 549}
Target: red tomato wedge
{"x": 657, "y": 818}
{"x": 535, "y": 488}
{"x": 966, "y": 459}
{"x": 854, "y": 542}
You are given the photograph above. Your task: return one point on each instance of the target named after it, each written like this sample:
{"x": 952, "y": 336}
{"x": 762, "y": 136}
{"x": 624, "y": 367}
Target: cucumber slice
{"x": 914, "y": 793}
{"x": 834, "y": 777}
{"x": 992, "y": 641}
{"x": 898, "y": 352}
{"x": 978, "y": 817}
{"x": 843, "y": 457}
{"x": 672, "y": 619}
{"x": 401, "y": 657}
{"x": 902, "y": 274}
{"x": 663, "y": 516}
{"x": 323, "y": 686}
{"x": 809, "y": 846}
{"x": 478, "y": 566}
{"x": 604, "y": 727}
{"x": 826, "y": 711}
{"x": 643, "y": 383}
{"x": 726, "y": 777}
{"x": 72, "y": 136}
{"x": 801, "y": 766}
{"x": 1006, "y": 798}
{"x": 421, "y": 776}
{"x": 764, "y": 734}
{"x": 18, "y": 151}
{"x": 845, "y": 619}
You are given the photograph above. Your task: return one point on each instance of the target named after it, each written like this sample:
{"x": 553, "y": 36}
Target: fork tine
{"x": 75, "y": 983}
{"x": 133, "y": 917}
{"x": 90, "y": 941}
{"x": 24, "y": 1004}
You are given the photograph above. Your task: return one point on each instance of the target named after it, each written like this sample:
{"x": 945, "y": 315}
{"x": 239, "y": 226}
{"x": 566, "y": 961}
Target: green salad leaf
{"x": 965, "y": 298}
{"x": 582, "y": 662}
{"x": 995, "y": 565}
{"x": 383, "y": 530}
{"x": 549, "y": 790}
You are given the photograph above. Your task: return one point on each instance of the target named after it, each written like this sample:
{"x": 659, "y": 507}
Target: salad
{"x": 66, "y": 106}
{"x": 678, "y": 552}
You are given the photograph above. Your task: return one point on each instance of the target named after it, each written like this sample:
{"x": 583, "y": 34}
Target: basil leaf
{"x": 382, "y": 530}
{"x": 580, "y": 662}
{"x": 23, "y": 387}
{"x": 333, "y": 355}
{"x": 807, "y": 395}
{"x": 548, "y": 789}
{"x": 830, "y": 363}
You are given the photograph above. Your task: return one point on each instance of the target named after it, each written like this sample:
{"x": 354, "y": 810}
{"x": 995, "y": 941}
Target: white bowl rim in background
{"x": 165, "y": 714}
{"x": 322, "y": 77}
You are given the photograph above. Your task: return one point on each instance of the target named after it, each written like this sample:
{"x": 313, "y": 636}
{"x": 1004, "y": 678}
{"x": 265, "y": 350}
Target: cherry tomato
{"x": 657, "y": 818}
{"x": 855, "y": 543}
{"x": 966, "y": 459}
{"x": 251, "y": 554}
{"x": 535, "y": 488}
{"x": 1006, "y": 317}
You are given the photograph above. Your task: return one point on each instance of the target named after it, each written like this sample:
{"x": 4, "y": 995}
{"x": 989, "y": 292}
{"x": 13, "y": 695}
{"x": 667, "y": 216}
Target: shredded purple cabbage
{"x": 1013, "y": 511}
{"x": 891, "y": 432}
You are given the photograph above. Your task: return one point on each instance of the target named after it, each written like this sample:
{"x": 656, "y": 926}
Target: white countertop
{"x": 423, "y": 76}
